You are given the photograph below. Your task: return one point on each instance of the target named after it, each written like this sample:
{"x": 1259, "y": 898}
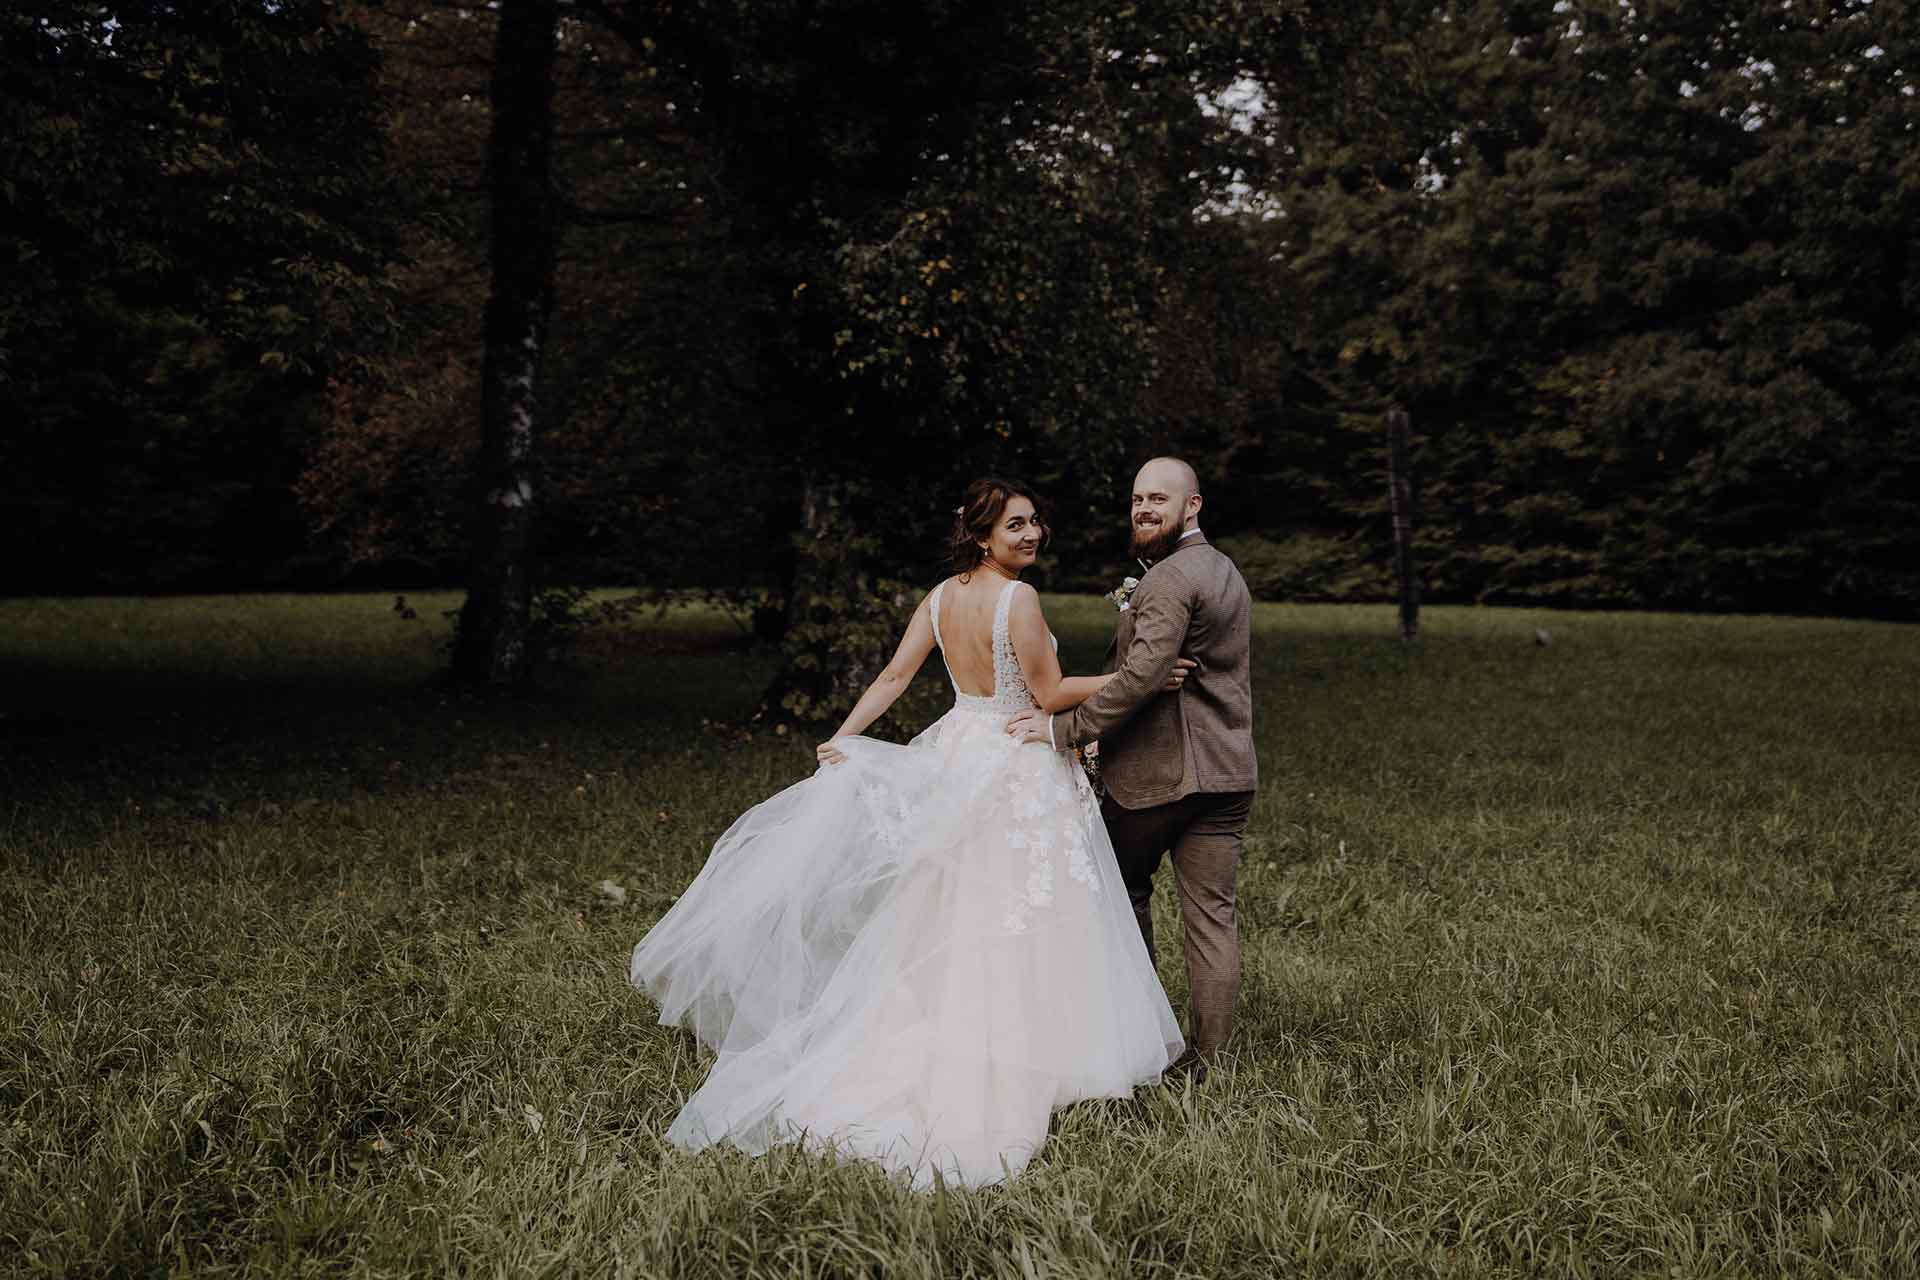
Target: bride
{"x": 917, "y": 954}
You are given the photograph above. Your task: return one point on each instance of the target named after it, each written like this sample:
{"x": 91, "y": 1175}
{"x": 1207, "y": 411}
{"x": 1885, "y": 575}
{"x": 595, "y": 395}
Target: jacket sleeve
{"x": 1162, "y": 606}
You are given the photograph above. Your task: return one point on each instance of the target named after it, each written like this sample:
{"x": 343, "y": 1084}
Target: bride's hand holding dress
{"x": 908, "y": 657}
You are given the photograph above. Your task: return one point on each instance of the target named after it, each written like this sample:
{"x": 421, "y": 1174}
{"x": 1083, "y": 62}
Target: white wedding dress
{"x": 913, "y": 957}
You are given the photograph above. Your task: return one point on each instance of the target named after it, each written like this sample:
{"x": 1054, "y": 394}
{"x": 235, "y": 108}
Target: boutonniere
{"x": 1122, "y": 595}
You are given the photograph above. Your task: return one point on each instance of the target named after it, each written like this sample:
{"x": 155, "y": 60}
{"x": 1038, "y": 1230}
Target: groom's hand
{"x": 1029, "y": 726}
{"x": 1178, "y": 676}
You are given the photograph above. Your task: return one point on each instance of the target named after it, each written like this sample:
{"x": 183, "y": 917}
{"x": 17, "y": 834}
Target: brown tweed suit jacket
{"x": 1154, "y": 748}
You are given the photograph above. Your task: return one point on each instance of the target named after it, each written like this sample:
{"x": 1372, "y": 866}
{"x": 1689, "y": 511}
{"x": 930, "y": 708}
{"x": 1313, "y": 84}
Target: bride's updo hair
{"x": 980, "y": 510}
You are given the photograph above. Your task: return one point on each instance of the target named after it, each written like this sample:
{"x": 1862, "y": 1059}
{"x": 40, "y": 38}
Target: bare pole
{"x": 1400, "y": 487}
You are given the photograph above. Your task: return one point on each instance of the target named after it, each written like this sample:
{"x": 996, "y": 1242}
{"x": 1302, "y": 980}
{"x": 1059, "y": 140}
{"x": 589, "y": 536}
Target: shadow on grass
{"x": 216, "y": 691}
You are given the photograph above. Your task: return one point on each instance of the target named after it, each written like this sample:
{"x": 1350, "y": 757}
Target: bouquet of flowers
{"x": 1088, "y": 756}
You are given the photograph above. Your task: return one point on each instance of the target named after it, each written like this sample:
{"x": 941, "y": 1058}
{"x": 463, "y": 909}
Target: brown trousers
{"x": 1203, "y": 832}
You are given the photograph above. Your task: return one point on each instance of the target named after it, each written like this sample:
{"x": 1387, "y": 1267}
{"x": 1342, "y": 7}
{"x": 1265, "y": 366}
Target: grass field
{"x": 1596, "y": 958}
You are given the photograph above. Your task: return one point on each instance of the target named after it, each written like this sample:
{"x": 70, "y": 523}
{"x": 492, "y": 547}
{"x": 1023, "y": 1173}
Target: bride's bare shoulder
{"x": 1026, "y": 602}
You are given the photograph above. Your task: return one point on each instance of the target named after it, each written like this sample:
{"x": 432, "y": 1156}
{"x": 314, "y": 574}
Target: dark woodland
{"x": 732, "y": 296}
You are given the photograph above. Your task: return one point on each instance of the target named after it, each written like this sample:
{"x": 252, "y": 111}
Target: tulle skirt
{"x": 913, "y": 957}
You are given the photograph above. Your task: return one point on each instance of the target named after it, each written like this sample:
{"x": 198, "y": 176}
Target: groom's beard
{"x": 1153, "y": 542}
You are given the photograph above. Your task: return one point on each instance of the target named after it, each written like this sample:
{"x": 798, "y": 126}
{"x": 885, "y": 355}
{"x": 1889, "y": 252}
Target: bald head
{"x": 1166, "y": 504}
{"x": 1170, "y": 475}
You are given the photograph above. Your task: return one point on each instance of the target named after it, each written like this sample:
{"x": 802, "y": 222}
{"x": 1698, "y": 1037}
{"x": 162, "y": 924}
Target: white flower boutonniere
{"x": 1122, "y": 595}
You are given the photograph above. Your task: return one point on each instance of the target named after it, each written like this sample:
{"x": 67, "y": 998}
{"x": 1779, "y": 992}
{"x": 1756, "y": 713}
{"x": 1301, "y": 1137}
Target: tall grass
{"x": 1593, "y": 958}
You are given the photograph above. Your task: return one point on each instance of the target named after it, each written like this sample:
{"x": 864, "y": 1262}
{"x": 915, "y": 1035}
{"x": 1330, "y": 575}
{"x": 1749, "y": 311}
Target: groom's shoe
{"x": 1188, "y": 1068}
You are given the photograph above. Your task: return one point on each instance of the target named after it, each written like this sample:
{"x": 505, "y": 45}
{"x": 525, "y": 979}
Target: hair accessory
{"x": 960, "y": 511}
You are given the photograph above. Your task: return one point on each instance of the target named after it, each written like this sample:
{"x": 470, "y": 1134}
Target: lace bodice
{"x": 1010, "y": 694}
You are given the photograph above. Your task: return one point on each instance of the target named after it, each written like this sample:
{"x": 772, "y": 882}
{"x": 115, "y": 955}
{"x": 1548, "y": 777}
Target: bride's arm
{"x": 1072, "y": 691}
{"x": 1033, "y": 645}
{"x": 887, "y": 687}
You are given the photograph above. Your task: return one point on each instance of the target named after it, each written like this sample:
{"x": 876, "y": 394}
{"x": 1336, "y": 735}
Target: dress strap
{"x": 933, "y": 607}
{"x": 1002, "y": 610}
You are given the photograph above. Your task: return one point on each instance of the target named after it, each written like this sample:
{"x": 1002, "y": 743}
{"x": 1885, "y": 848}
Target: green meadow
{"x": 1597, "y": 957}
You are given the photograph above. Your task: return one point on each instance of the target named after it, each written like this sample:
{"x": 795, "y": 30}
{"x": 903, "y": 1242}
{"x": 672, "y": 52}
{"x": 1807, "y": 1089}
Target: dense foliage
{"x": 1644, "y": 278}
{"x": 191, "y": 225}
{"x": 1648, "y": 282}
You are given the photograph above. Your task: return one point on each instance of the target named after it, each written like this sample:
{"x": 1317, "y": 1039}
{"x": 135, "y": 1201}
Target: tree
{"x": 1644, "y": 280}
{"x": 196, "y": 242}
{"x": 492, "y": 647}
{"x": 963, "y": 217}
{"x": 648, "y": 387}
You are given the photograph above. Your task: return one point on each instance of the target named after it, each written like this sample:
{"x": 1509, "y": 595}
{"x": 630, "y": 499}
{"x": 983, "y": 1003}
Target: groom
{"x": 1179, "y": 770}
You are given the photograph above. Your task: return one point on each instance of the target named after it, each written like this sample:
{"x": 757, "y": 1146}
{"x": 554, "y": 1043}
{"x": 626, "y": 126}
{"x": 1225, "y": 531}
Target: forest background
{"x": 787, "y": 274}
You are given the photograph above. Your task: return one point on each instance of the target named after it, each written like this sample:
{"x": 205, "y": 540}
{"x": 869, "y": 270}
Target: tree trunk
{"x": 493, "y": 646}
{"x": 1400, "y": 482}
